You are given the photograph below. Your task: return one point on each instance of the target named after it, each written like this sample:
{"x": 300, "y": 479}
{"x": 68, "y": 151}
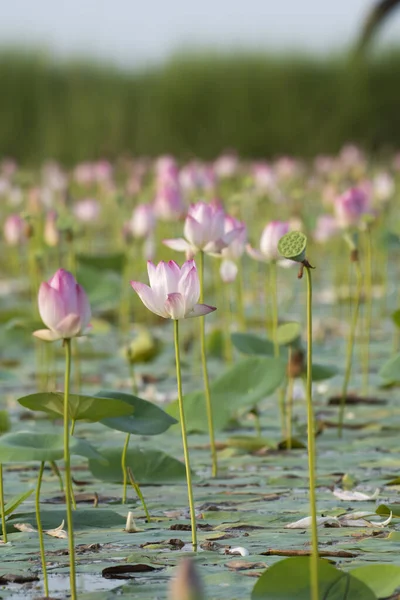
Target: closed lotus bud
{"x": 87, "y": 210}
{"x": 64, "y": 308}
{"x": 351, "y": 206}
{"x": 51, "y": 234}
{"x": 14, "y": 230}
{"x": 143, "y": 348}
{"x": 142, "y": 221}
{"x": 269, "y": 242}
{"x": 186, "y": 585}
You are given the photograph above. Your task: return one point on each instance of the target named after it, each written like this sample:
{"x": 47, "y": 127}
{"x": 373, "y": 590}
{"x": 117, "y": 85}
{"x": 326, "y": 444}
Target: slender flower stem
{"x": 274, "y": 311}
{"x": 207, "y": 391}
{"x": 40, "y": 531}
{"x": 67, "y": 463}
{"x": 124, "y": 468}
{"x": 274, "y": 303}
{"x": 350, "y": 345}
{"x": 289, "y": 412}
{"x": 368, "y": 309}
{"x": 311, "y": 445}
{"x": 241, "y": 316}
{"x": 227, "y": 316}
{"x": 2, "y": 505}
{"x": 138, "y": 491}
{"x": 184, "y": 436}
{"x": 56, "y": 471}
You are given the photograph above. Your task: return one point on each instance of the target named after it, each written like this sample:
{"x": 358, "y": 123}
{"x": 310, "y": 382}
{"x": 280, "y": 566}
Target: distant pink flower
{"x": 64, "y": 308}
{"x": 14, "y": 230}
{"x": 87, "y": 210}
{"x": 383, "y": 186}
{"x": 237, "y": 246}
{"x": 269, "y": 242}
{"x": 197, "y": 176}
{"x": 264, "y": 176}
{"x": 228, "y": 271}
{"x": 351, "y": 206}
{"x": 142, "y": 222}
{"x": 226, "y": 165}
{"x": 102, "y": 170}
{"x": 326, "y": 228}
{"x": 204, "y": 230}
{"x": 168, "y": 204}
{"x": 174, "y": 292}
{"x": 84, "y": 173}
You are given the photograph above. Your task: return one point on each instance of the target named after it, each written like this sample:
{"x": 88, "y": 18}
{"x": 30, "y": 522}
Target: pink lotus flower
{"x": 87, "y": 210}
{"x": 237, "y": 246}
{"x": 326, "y": 228}
{"x": 204, "y": 230}
{"x": 351, "y": 206}
{"x": 14, "y": 230}
{"x": 228, "y": 271}
{"x": 64, "y": 308}
{"x": 197, "y": 176}
{"x": 142, "y": 221}
{"x": 269, "y": 242}
{"x": 168, "y": 204}
{"x": 173, "y": 292}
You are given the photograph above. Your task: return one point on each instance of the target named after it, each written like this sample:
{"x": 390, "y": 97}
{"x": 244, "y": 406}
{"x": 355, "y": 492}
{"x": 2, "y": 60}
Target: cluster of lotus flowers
{"x": 352, "y": 196}
{"x": 172, "y": 189}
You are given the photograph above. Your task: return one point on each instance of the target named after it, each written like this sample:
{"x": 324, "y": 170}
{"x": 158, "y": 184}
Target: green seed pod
{"x": 293, "y": 246}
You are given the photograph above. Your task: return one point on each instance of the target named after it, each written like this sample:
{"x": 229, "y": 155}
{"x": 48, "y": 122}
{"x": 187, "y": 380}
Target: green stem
{"x": 184, "y": 436}
{"x": 350, "y": 346}
{"x": 274, "y": 307}
{"x": 257, "y": 421}
{"x": 311, "y": 445}
{"x": 40, "y": 531}
{"x": 289, "y": 412}
{"x": 205, "y": 374}
{"x": 3, "y": 514}
{"x": 56, "y": 471}
{"x": 241, "y": 316}
{"x": 68, "y": 500}
{"x": 138, "y": 491}
{"x": 227, "y": 314}
{"x": 368, "y": 310}
{"x": 124, "y": 468}
{"x": 132, "y": 376}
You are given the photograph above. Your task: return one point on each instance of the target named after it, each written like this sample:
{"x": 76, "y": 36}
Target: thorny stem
{"x": 184, "y": 436}
{"x": 207, "y": 391}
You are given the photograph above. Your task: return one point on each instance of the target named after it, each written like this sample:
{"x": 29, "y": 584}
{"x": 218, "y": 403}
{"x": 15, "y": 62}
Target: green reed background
{"x": 197, "y": 106}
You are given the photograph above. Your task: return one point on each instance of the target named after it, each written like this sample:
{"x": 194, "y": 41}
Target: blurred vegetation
{"x": 198, "y": 105}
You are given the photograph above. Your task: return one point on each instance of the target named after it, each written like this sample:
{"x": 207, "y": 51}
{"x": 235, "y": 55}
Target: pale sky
{"x": 131, "y": 32}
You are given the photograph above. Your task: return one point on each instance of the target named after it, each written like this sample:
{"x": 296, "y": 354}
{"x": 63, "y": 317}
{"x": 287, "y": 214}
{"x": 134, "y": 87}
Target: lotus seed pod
{"x": 293, "y": 246}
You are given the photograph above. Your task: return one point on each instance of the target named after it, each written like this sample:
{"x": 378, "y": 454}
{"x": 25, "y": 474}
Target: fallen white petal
{"x": 25, "y": 527}
{"x": 305, "y": 523}
{"x": 354, "y": 496}
{"x": 58, "y": 532}
{"x": 239, "y": 550}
